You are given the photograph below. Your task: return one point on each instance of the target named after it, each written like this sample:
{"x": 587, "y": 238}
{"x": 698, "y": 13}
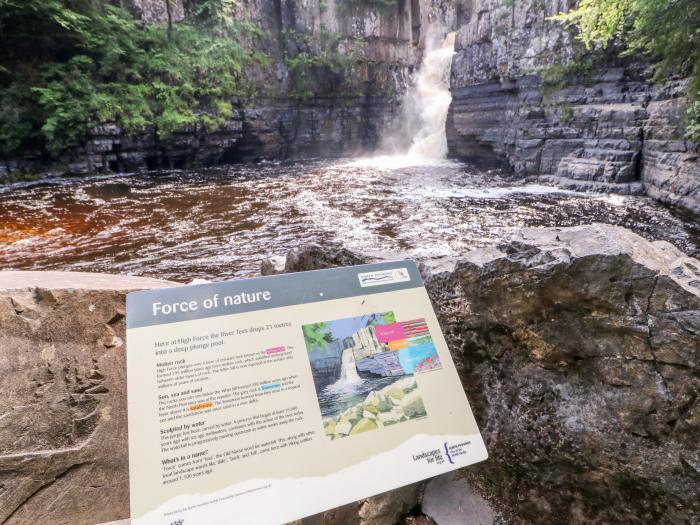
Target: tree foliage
{"x": 317, "y": 335}
{"x": 74, "y": 64}
{"x": 334, "y": 59}
{"x": 666, "y": 30}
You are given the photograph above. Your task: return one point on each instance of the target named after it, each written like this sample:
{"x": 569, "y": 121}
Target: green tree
{"x": 73, "y": 64}
{"x": 317, "y": 335}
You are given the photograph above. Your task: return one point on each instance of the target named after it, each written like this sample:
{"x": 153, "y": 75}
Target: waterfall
{"x": 348, "y": 371}
{"x": 417, "y": 137}
{"x": 429, "y": 100}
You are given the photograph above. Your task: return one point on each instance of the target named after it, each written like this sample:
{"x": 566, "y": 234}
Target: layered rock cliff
{"x": 578, "y": 349}
{"x": 525, "y": 94}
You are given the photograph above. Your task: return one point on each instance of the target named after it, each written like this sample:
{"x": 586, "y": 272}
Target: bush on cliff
{"x": 667, "y": 30}
{"x": 69, "y": 65}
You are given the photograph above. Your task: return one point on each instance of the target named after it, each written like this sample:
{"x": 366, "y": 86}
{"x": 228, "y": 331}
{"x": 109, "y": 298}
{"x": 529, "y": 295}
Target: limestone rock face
{"x": 579, "y": 350}
{"x": 321, "y": 112}
{"x": 599, "y": 123}
{"x": 63, "y": 424}
{"x": 156, "y": 11}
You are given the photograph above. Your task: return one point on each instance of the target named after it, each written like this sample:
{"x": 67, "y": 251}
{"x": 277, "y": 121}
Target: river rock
{"x": 310, "y": 257}
{"x": 384, "y": 509}
{"x": 391, "y": 417}
{"x": 450, "y": 500}
{"x": 578, "y": 349}
{"x": 63, "y": 425}
{"x": 389, "y": 507}
{"x": 363, "y": 425}
{"x": 379, "y": 400}
{"x": 412, "y": 405}
{"x": 397, "y": 402}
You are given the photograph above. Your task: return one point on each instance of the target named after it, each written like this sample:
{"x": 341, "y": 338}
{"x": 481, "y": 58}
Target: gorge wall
{"x": 526, "y": 95}
{"x": 334, "y": 72}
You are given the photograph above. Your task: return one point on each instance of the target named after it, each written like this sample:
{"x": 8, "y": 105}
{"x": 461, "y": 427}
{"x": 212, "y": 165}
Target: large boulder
{"x": 63, "y": 424}
{"x": 578, "y": 349}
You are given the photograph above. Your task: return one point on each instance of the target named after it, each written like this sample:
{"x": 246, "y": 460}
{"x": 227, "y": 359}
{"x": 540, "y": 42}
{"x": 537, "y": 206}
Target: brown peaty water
{"x": 220, "y": 223}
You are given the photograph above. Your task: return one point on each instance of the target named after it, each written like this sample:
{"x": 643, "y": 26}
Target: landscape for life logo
{"x": 364, "y": 370}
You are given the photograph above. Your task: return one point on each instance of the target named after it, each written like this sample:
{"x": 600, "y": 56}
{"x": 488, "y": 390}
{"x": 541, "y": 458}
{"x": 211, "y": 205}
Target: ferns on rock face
{"x": 74, "y": 64}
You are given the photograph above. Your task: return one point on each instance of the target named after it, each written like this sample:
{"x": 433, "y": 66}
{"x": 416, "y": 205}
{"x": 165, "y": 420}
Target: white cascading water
{"x": 430, "y": 99}
{"x": 348, "y": 371}
{"x": 419, "y": 138}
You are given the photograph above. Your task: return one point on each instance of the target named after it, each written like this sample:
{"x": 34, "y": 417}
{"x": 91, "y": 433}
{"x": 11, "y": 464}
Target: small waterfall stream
{"x": 348, "y": 371}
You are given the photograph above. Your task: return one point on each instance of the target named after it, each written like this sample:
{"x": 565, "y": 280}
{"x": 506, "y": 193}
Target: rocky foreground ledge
{"x": 578, "y": 349}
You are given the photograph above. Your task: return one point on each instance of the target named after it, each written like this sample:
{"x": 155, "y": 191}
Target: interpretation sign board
{"x": 266, "y": 400}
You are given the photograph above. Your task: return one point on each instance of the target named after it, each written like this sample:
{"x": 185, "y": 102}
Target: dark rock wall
{"x": 603, "y": 125}
{"x": 272, "y": 130}
{"x": 156, "y": 11}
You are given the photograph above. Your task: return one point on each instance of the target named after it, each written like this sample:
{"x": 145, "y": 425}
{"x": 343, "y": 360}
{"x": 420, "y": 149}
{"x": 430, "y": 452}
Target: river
{"x": 220, "y": 223}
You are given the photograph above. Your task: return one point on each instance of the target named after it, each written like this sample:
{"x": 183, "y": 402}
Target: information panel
{"x": 266, "y": 400}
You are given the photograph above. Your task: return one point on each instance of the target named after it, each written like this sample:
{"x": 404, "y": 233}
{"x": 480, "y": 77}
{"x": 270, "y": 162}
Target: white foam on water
{"x": 485, "y": 193}
{"x": 393, "y": 162}
{"x": 424, "y": 114}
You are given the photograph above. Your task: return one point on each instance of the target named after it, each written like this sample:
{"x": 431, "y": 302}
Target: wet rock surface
{"x": 450, "y": 500}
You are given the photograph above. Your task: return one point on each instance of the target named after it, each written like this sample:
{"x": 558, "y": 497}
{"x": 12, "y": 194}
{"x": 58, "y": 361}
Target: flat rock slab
{"x": 53, "y": 280}
{"x": 63, "y": 425}
{"x": 450, "y": 500}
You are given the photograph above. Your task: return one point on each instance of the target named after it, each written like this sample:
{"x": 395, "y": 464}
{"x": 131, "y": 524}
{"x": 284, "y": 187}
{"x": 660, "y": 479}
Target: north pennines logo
{"x": 397, "y": 275}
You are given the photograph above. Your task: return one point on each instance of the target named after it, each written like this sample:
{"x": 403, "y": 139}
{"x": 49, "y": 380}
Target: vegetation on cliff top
{"x": 667, "y": 30}
{"x": 72, "y": 65}
{"x": 69, "y": 65}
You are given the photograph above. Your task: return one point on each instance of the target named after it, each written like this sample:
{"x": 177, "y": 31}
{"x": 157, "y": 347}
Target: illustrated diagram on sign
{"x": 364, "y": 371}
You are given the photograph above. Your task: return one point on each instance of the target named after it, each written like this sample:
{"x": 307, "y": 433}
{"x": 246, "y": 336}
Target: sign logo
{"x": 447, "y": 452}
{"x": 397, "y": 275}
